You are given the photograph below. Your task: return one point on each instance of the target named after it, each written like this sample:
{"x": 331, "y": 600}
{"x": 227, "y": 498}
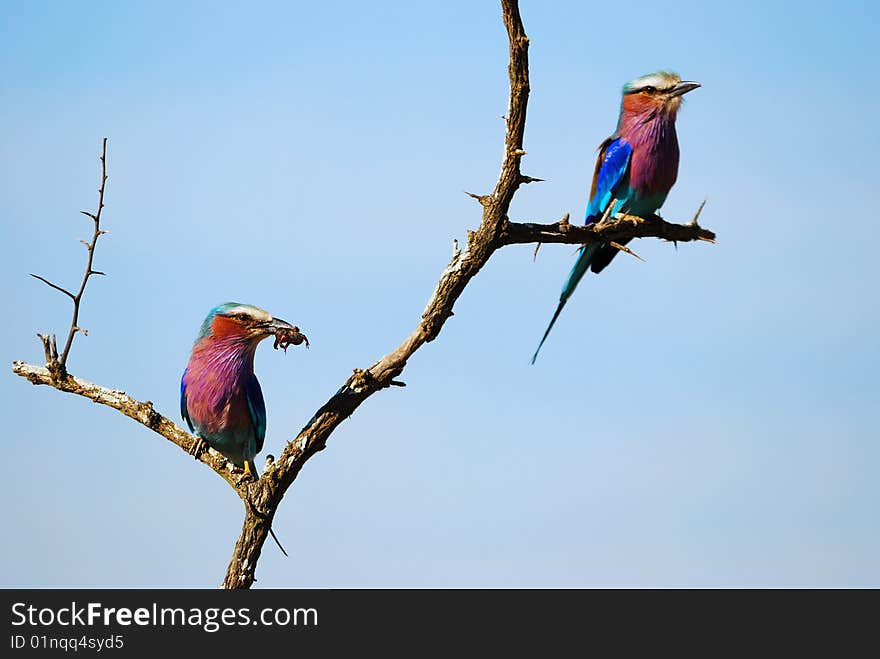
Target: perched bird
{"x": 220, "y": 397}
{"x": 636, "y": 167}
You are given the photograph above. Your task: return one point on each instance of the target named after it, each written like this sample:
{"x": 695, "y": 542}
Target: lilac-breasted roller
{"x": 636, "y": 167}
{"x": 220, "y": 397}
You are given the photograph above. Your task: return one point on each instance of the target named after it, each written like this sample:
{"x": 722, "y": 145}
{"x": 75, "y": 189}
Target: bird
{"x": 635, "y": 169}
{"x": 220, "y": 396}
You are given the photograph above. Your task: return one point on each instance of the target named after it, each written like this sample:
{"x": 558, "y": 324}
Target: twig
{"x": 55, "y": 286}
{"x": 617, "y": 229}
{"x": 142, "y": 412}
{"x": 61, "y": 365}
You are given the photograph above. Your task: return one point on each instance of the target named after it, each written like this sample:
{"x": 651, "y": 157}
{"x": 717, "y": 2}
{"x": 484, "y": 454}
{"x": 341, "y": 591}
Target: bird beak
{"x": 684, "y": 87}
{"x": 270, "y": 327}
{"x": 277, "y": 324}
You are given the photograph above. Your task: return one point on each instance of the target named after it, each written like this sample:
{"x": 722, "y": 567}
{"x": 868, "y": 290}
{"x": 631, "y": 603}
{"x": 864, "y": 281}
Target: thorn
{"x": 529, "y": 179}
{"x": 519, "y": 152}
{"x": 564, "y": 223}
{"x": 87, "y": 246}
{"x": 624, "y": 248}
{"x": 97, "y": 272}
{"x": 397, "y": 383}
{"x": 91, "y": 215}
{"x": 479, "y": 198}
{"x": 535, "y": 254}
{"x": 85, "y": 332}
{"x": 607, "y": 212}
{"x": 101, "y": 232}
{"x": 697, "y": 214}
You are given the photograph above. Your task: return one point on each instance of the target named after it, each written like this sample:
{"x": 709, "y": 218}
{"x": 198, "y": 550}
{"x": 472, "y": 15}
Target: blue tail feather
{"x": 577, "y": 272}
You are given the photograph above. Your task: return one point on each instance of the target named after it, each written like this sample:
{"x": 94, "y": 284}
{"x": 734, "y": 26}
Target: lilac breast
{"x": 215, "y": 393}
{"x": 654, "y": 160}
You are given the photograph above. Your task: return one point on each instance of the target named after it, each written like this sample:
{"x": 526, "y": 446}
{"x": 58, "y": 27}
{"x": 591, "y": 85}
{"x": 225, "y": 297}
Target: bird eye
{"x": 649, "y": 89}
{"x": 242, "y": 316}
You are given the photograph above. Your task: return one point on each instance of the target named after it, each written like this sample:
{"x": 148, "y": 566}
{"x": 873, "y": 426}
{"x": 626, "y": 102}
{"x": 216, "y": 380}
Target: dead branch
{"x": 55, "y": 372}
{"x": 59, "y": 365}
{"x": 616, "y": 229}
{"x": 142, "y": 412}
{"x": 465, "y": 263}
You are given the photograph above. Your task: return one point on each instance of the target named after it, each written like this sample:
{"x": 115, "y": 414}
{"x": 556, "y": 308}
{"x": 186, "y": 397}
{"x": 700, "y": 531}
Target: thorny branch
{"x": 495, "y": 231}
{"x": 363, "y": 383}
{"x": 55, "y": 372}
{"x": 142, "y": 412}
{"x": 615, "y": 229}
{"x": 54, "y": 363}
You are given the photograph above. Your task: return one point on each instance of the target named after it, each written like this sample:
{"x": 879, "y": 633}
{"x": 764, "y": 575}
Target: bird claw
{"x": 197, "y": 448}
{"x": 245, "y": 478}
{"x": 249, "y": 473}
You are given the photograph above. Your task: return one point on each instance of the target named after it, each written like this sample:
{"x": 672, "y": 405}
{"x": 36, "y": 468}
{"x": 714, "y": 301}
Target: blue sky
{"x": 707, "y": 418}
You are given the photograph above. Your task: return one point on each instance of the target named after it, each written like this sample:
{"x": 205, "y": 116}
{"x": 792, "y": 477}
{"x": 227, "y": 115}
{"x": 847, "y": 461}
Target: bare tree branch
{"x": 263, "y": 497}
{"x": 55, "y": 372}
{"x": 60, "y": 365}
{"x": 615, "y": 229}
{"x": 142, "y": 412}
{"x": 465, "y": 263}
{"x": 55, "y": 286}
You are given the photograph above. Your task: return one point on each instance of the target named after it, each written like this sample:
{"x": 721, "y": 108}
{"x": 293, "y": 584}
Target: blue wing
{"x": 609, "y": 179}
{"x": 257, "y": 408}
{"x": 612, "y": 168}
{"x": 184, "y": 412}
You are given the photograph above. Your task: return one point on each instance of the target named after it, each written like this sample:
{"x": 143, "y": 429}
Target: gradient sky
{"x": 707, "y": 418}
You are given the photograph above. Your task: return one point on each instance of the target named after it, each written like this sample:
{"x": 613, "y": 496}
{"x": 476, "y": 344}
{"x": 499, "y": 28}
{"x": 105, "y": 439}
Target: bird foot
{"x": 197, "y": 448}
{"x": 248, "y": 474}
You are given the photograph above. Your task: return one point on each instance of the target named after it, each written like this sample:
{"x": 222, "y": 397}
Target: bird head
{"x": 243, "y": 323}
{"x": 655, "y": 92}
